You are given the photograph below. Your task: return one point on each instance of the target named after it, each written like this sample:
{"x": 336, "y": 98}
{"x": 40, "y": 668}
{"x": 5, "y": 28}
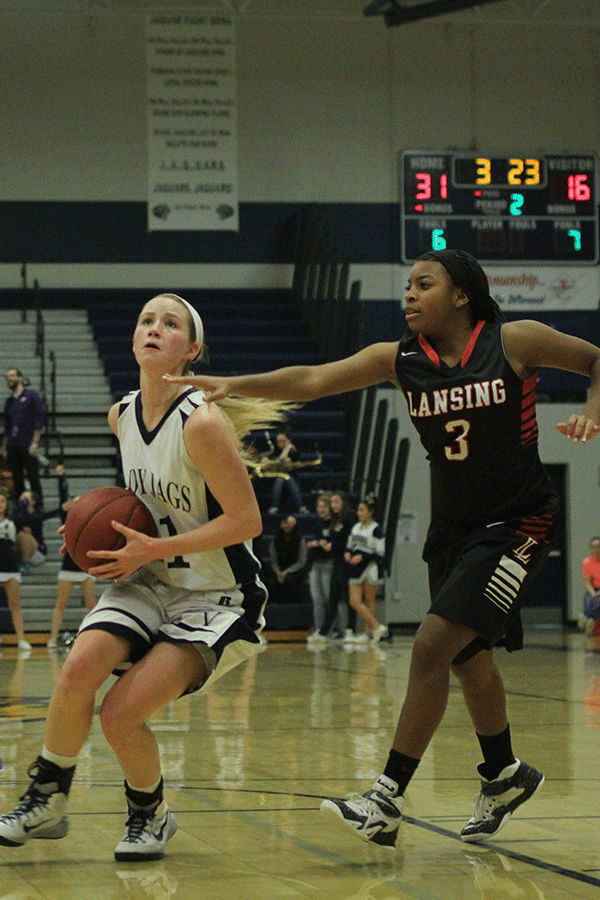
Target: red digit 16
{"x": 578, "y": 188}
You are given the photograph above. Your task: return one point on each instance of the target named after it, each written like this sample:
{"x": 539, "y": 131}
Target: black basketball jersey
{"x": 477, "y": 422}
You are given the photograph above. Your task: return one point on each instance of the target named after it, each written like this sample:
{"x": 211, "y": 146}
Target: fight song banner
{"x": 192, "y": 122}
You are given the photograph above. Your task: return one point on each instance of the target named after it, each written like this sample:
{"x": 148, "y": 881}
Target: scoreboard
{"x": 501, "y": 209}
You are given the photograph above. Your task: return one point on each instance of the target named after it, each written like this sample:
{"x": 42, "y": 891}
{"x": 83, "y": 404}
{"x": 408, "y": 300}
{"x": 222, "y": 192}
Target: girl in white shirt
{"x": 366, "y": 548}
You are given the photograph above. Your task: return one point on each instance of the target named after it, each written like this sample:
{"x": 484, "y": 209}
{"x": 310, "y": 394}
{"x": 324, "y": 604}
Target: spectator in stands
{"x": 591, "y": 578}
{"x": 288, "y": 556}
{"x": 24, "y": 420}
{"x": 10, "y": 576}
{"x": 282, "y": 459}
{"x": 70, "y": 573}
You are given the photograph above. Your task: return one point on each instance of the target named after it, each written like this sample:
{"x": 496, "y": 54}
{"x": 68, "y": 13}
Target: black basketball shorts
{"x": 479, "y": 574}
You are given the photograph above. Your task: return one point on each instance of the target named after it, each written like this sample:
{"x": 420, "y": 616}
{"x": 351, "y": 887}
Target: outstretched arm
{"x": 530, "y": 345}
{"x": 373, "y": 365}
{"x": 585, "y": 425}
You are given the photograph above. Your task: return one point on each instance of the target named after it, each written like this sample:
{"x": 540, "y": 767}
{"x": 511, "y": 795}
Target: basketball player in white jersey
{"x": 182, "y": 608}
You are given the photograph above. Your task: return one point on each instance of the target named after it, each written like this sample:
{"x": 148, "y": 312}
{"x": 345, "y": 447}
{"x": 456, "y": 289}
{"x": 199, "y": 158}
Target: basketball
{"x": 88, "y": 523}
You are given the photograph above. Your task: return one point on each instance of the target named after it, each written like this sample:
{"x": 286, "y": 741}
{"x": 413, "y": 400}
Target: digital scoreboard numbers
{"x": 502, "y": 209}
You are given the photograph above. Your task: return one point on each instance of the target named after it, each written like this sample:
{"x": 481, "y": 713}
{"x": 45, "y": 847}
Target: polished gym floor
{"x": 247, "y": 763}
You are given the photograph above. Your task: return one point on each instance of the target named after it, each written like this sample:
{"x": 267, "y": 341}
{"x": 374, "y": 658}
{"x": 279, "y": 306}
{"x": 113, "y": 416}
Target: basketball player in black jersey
{"x": 469, "y": 382}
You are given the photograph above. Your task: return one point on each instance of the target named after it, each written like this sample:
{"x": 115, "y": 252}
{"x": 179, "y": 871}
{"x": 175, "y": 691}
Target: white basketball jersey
{"x": 157, "y": 467}
{"x": 8, "y": 530}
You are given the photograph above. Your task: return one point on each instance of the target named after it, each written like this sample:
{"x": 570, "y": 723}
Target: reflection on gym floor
{"x": 247, "y": 763}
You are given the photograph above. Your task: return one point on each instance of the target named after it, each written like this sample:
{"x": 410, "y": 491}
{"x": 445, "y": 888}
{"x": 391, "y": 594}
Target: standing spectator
{"x": 288, "y": 557}
{"x": 24, "y": 420}
{"x": 591, "y": 577}
{"x": 321, "y": 569}
{"x": 366, "y": 546}
{"x": 70, "y": 573}
{"x": 10, "y": 576}
{"x": 343, "y": 520}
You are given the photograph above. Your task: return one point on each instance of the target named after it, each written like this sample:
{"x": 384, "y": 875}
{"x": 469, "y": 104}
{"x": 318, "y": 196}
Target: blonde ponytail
{"x": 242, "y": 414}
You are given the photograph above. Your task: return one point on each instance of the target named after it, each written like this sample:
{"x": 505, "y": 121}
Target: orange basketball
{"x": 88, "y": 524}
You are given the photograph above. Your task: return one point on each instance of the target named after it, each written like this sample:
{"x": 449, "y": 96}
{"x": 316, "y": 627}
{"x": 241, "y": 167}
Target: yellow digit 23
{"x": 529, "y": 167}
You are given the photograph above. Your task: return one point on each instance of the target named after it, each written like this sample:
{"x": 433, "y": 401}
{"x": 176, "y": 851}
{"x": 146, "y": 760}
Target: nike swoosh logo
{"x": 28, "y": 828}
{"x": 410, "y": 353}
{"x": 159, "y": 834}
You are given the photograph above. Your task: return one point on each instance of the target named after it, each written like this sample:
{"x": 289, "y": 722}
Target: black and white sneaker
{"x": 147, "y": 831}
{"x": 42, "y": 810}
{"x": 498, "y": 799}
{"x": 373, "y": 816}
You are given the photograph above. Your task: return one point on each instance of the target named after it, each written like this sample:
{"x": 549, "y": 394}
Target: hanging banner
{"x": 192, "y": 122}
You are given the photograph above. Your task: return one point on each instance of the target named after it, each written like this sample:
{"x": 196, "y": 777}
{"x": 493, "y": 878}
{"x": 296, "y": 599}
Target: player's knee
{"x": 118, "y": 717}
{"x": 77, "y": 676}
{"x": 112, "y": 719}
{"x": 425, "y": 654}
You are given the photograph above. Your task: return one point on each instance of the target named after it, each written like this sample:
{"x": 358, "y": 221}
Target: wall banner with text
{"x": 530, "y": 289}
{"x": 526, "y": 289}
{"x": 192, "y": 122}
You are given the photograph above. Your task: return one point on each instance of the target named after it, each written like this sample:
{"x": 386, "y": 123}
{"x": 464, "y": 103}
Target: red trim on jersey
{"x": 471, "y": 345}
{"x": 428, "y": 349}
{"x": 434, "y": 357}
{"x": 536, "y": 527}
{"x": 529, "y": 426}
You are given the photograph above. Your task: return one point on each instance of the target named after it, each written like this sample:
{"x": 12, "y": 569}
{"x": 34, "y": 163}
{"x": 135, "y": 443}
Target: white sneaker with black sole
{"x": 373, "y": 816}
{"x": 40, "y": 814}
{"x": 498, "y": 799}
{"x": 146, "y": 833}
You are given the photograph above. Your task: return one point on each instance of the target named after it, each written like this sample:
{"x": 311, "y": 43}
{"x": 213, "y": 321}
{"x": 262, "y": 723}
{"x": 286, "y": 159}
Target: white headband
{"x": 198, "y": 326}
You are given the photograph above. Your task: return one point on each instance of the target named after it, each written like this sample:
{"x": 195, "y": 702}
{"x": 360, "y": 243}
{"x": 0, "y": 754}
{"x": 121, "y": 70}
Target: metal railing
{"x": 31, "y": 302}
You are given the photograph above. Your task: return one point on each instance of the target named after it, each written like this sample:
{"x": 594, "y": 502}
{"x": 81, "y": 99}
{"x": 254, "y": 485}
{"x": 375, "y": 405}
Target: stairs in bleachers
{"x": 81, "y": 435}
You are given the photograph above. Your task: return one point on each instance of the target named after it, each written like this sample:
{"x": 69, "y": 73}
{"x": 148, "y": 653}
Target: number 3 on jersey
{"x": 459, "y": 448}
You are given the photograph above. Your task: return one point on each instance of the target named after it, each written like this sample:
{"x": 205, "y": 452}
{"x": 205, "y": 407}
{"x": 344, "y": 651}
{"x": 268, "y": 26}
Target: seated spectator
{"x": 282, "y": 459}
{"x": 286, "y": 576}
{"x": 591, "y": 578}
{"x": 29, "y": 519}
